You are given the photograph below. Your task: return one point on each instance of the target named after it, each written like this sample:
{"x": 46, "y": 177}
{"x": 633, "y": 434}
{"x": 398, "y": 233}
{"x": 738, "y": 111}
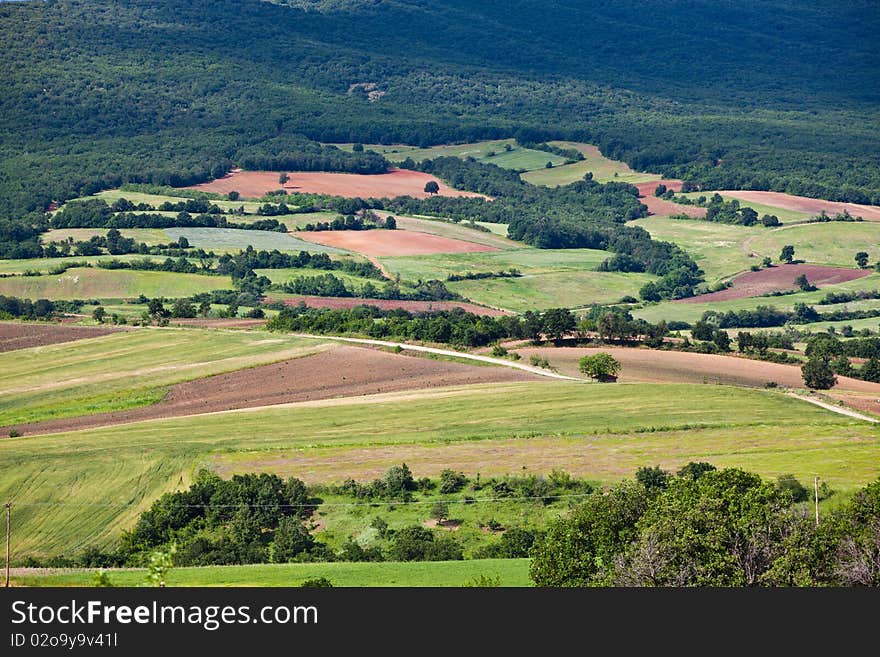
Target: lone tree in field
{"x": 862, "y": 259}
{"x": 283, "y": 178}
{"x": 390, "y": 222}
{"x": 98, "y": 314}
{"x": 601, "y": 366}
{"x": 431, "y": 187}
{"x": 660, "y": 190}
{"x": 805, "y": 285}
{"x": 818, "y": 374}
{"x": 440, "y": 511}
{"x": 787, "y": 253}
{"x": 233, "y": 195}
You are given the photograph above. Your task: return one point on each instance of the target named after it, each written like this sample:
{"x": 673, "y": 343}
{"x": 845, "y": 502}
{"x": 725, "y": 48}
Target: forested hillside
{"x": 774, "y": 94}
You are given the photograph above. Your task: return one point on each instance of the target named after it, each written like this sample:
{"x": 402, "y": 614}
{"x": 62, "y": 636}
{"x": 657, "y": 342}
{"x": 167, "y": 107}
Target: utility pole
{"x": 8, "y": 534}
{"x": 816, "y": 497}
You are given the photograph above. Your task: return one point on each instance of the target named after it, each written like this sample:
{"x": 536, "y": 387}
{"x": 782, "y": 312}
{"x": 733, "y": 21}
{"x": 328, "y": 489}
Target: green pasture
{"x": 43, "y": 265}
{"x": 831, "y": 243}
{"x": 85, "y": 487}
{"x": 150, "y": 236}
{"x": 236, "y": 239}
{"x": 498, "y": 229}
{"x": 691, "y": 312}
{"x": 488, "y": 152}
{"x": 602, "y": 168}
{"x": 128, "y": 369}
{"x": 284, "y": 275}
{"x": 512, "y": 572}
{"x": 95, "y": 283}
{"x": 551, "y": 277}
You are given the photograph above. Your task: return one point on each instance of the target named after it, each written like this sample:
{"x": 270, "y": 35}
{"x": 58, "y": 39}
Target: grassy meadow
{"x": 127, "y": 369}
{"x": 236, "y": 239}
{"x": 511, "y": 572}
{"x": 602, "y": 168}
{"x": 81, "y": 488}
{"x": 89, "y": 283}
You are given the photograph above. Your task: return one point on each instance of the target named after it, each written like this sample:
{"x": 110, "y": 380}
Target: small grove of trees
{"x": 708, "y": 527}
{"x": 601, "y": 366}
{"x": 817, "y": 372}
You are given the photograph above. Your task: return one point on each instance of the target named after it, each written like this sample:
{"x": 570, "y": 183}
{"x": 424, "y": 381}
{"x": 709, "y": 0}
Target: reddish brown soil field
{"x": 656, "y": 366}
{"x": 662, "y": 207}
{"x": 230, "y": 323}
{"x": 385, "y": 304}
{"x": 781, "y": 277}
{"x": 397, "y": 182}
{"x": 391, "y": 242}
{"x": 14, "y": 335}
{"x": 340, "y": 372}
{"x": 805, "y": 204}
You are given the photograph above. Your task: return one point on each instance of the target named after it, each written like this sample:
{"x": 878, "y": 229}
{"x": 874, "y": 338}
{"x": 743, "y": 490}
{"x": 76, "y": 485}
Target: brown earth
{"x": 658, "y": 366}
{"x": 779, "y": 278}
{"x": 805, "y": 204}
{"x": 391, "y": 242}
{"x": 388, "y": 304}
{"x": 662, "y": 207}
{"x": 397, "y": 182}
{"x": 20, "y": 335}
{"x": 343, "y": 371}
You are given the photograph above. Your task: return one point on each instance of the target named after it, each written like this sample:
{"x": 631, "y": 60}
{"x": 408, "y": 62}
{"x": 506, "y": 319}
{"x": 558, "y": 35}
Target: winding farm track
{"x": 447, "y": 352}
{"x": 835, "y": 409}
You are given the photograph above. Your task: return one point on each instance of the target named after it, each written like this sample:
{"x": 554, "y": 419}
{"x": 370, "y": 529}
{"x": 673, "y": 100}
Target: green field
{"x": 498, "y": 229}
{"x": 128, "y": 369}
{"x": 691, "y": 312}
{"x": 512, "y": 572}
{"x": 551, "y": 277}
{"x": 723, "y": 250}
{"x": 603, "y": 169}
{"x": 235, "y": 239}
{"x": 45, "y": 264}
{"x": 149, "y": 236}
{"x": 518, "y": 158}
{"x": 88, "y": 283}
{"x": 832, "y": 243}
{"x": 88, "y": 486}
{"x": 285, "y": 275}
{"x": 785, "y": 216}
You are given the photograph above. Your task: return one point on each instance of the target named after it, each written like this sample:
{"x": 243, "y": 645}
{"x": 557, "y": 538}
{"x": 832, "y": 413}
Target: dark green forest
{"x": 773, "y": 94}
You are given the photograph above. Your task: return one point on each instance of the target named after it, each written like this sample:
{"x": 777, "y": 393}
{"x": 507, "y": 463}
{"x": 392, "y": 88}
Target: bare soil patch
{"x": 779, "y": 278}
{"x": 225, "y": 323}
{"x": 658, "y": 366}
{"x": 397, "y": 182}
{"x": 448, "y": 525}
{"x": 389, "y": 304}
{"x": 343, "y": 371}
{"x": 391, "y": 242}
{"x": 805, "y": 204}
{"x": 20, "y": 335}
{"x": 662, "y": 207}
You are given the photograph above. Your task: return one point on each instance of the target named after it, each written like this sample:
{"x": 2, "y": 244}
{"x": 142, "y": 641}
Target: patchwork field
{"x": 779, "y": 278}
{"x": 391, "y": 242}
{"x": 127, "y": 370}
{"x": 550, "y": 277}
{"x": 691, "y": 312}
{"x": 723, "y": 250}
{"x": 342, "y": 371}
{"x": 77, "y": 489}
{"x": 603, "y": 169}
{"x": 88, "y": 283}
{"x": 397, "y": 182}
